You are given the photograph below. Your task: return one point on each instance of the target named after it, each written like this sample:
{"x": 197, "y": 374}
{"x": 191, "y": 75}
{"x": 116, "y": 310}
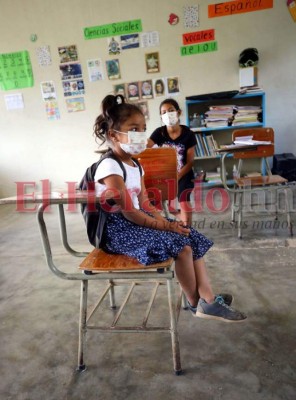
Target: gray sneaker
{"x": 228, "y": 299}
{"x": 218, "y": 310}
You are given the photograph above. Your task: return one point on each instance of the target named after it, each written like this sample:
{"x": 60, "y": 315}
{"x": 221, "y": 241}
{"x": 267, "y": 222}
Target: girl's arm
{"x": 189, "y": 164}
{"x": 150, "y": 143}
{"x": 115, "y": 184}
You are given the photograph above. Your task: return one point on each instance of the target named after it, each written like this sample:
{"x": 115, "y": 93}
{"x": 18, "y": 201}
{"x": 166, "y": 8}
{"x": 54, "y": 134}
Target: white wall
{"x": 33, "y": 148}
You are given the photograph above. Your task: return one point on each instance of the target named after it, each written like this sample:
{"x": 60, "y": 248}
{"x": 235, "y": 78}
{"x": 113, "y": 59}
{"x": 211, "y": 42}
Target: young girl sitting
{"x": 138, "y": 230}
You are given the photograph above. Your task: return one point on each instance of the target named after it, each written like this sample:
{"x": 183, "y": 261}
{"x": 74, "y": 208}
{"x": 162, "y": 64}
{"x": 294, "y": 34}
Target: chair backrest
{"x": 160, "y": 167}
{"x": 264, "y": 134}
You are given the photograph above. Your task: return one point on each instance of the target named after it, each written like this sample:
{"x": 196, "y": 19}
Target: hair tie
{"x": 119, "y": 99}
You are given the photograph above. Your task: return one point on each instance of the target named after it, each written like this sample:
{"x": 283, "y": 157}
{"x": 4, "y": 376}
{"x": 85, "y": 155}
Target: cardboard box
{"x": 248, "y": 77}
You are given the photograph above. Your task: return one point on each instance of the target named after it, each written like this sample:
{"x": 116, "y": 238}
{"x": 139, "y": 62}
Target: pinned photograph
{"x": 113, "y": 69}
{"x": 173, "y": 85}
{"x": 68, "y": 53}
{"x": 146, "y": 89}
{"x": 119, "y": 89}
{"x": 152, "y": 62}
{"x": 131, "y": 41}
{"x": 133, "y": 91}
{"x": 159, "y": 87}
{"x": 70, "y": 71}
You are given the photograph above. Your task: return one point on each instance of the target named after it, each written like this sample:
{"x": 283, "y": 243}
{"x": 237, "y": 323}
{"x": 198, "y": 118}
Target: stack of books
{"x": 219, "y": 115}
{"x": 246, "y": 115}
{"x": 206, "y": 146}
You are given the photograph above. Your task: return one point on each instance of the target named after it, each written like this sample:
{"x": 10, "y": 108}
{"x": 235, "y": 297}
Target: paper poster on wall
{"x": 199, "y": 48}
{"x": 173, "y": 85}
{"x": 73, "y": 88}
{"x": 133, "y": 91}
{"x": 70, "y": 71}
{"x": 146, "y": 89}
{"x": 131, "y": 41}
{"x": 150, "y": 39}
{"x": 95, "y": 70}
{"x": 119, "y": 89}
{"x": 43, "y": 56}
{"x": 237, "y": 7}
{"x": 113, "y": 69}
{"x": 48, "y": 90}
{"x": 75, "y": 104}
{"x": 68, "y": 53}
{"x": 159, "y": 86}
{"x": 115, "y": 29}
{"x": 52, "y": 110}
{"x": 152, "y": 62}
{"x": 191, "y": 17}
{"x": 14, "y": 101}
{"x": 15, "y": 70}
{"x": 114, "y": 46}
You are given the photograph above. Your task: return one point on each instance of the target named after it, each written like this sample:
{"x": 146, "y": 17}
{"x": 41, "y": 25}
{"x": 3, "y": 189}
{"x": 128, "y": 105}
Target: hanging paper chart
{"x": 15, "y": 70}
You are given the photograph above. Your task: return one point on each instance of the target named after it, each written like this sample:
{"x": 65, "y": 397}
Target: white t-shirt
{"x": 133, "y": 178}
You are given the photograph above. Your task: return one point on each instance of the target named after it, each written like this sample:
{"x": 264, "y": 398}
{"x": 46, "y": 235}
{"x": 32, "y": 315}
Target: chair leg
{"x": 174, "y": 332}
{"x": 240, "y": 214}
{"x": 290, "y": 225}
{"x": 233, "y": 206}
{"x": 112, "y": 295}
{"x": 82, "y": 325}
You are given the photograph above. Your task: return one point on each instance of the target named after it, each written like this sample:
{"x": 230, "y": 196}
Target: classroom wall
{"x": 34, "y": 148}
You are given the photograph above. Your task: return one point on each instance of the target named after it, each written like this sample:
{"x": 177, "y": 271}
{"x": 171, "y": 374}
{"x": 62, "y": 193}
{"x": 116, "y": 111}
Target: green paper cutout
{"x": 199, "y": 48}
{"x": 16, "y": 70}
{"x": 115, "y": 29}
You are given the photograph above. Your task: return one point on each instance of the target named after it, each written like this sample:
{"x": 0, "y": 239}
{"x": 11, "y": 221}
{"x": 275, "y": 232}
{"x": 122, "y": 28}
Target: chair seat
{"x": 260, "y": 180}
{"x": 99, "y": 260}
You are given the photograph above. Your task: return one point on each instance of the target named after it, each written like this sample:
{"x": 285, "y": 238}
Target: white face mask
{"x": 170, "y": 118}
{"x": 137, "y": 142}
{"x": 134, "y": 148}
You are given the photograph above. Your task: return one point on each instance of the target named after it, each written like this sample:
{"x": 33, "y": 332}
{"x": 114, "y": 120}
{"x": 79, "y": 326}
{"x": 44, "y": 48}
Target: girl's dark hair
{"x": 114, "y": 113}
{"x": 169, "y": 101}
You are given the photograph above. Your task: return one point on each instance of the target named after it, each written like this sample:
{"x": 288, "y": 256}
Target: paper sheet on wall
{"x": 95, "y": 70}
{"x": 43, "y": 56}
{"x": 75, "y": 104}
{"x": 14, "y": 101}
{"x": 48, "y": 90}
{"x": 191, "y": 17}
{"x": 15, "y": 70}
{"x": 150, "y": 39}
{"x": 52, "y": 110}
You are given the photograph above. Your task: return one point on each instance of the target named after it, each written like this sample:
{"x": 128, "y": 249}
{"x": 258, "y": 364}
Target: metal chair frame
{"x": 266, "y": 184}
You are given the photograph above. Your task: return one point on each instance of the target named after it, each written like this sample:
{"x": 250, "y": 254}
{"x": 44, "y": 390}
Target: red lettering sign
{"x": 238, "y": 7}
{"x": 198, "y": 37}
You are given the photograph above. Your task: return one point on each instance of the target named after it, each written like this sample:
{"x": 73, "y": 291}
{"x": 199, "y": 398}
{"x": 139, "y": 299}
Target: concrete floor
{"x": 252, "y": 360}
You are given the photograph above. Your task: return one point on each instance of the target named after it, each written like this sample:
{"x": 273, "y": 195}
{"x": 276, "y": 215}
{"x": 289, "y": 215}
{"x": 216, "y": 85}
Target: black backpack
{"x": 95, "y": 217}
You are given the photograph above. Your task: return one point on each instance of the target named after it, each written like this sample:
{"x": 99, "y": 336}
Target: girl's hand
{"x": 178, "y": 227}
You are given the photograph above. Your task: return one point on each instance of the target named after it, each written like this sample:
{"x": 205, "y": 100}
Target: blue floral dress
{"x": 149, "y": 245}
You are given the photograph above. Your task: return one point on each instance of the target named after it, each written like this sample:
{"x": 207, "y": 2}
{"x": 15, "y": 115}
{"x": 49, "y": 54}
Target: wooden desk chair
{"x": 160, "y": 167}
{"x": 266, "y": 182}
